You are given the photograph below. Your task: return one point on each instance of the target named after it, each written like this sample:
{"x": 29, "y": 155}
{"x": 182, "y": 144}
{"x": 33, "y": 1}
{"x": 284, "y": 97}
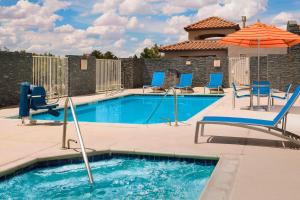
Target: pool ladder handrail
{"x": 84, "y": 155}
{"x": 175, "y": 105}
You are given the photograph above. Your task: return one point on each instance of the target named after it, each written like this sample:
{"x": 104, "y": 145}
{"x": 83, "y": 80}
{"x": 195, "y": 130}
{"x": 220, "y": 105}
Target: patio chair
{"x": 286, "y": 94}
{"x": 38, "y": 101}
{"x": 185, "y": 82}
{"x": 263, "y": 91}
{"x": 215, "y": 82}
{"x": 158, "y": 80}
{"x": 236, "y": 95}
{"x": 257, "y": 124}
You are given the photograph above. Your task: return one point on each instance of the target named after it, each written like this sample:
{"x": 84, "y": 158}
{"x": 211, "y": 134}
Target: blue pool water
{"x": 136, "y": 109}
{"x": 115, "y": 178}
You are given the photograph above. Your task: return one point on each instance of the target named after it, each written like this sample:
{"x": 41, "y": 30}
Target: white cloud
{"x": 129, "y": 7}
{"x": 133, "y": 23}
{"x": 283, "y": 17}
{"x": 119, "y": 43}
{"x": 27, "y": 15}
{"x": 105, "y": 5}
{"x": 233, "y": 9}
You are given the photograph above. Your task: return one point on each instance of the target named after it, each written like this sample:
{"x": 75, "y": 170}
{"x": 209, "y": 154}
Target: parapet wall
{"x": 14, "y": 68}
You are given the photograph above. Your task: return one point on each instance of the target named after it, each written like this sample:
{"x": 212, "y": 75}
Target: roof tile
{"x": 212, "y": 23}
{"x": 194, "y": 45}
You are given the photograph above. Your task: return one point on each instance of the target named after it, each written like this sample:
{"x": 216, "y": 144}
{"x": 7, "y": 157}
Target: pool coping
{"x": 217, "y": 187}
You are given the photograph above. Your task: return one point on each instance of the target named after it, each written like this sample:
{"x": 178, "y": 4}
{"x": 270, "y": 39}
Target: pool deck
{"x": 252, "y": 165}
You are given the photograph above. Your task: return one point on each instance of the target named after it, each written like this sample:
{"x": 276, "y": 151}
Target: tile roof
{"x": 212, "y": 23}
{"x": 194, "y": 45}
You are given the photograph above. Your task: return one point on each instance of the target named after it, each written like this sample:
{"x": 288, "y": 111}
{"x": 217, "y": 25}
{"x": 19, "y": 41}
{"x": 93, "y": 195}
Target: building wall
{"x": 14, "y": 68}
{"x": 192, "y": 35}
{"x": 177, "y": 54}
{"x": 236, "y": 51}
{"x": 81, "y": 82}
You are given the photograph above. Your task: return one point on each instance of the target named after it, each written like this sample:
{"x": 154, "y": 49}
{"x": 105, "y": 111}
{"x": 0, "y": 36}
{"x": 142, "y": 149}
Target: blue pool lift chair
{"x": 158, "y": 80}
{"x": 215, "y": 82}
{"x": 236, "y": 95}
{"x": 38, "y": 101}
{"x": 185, "y": 82}
{"x": 265, "y": 126}
{"x": 286, "y": 94}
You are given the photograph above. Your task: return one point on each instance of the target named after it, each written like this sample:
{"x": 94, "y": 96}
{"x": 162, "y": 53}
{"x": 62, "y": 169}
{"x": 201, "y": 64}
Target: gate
{"x": 52, "y": 73}
{"x": 108, "y": 75}
{"x": 239, "y": 70}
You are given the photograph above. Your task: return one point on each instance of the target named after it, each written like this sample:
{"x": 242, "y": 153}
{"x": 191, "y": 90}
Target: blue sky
{"x": 124, "y": 27}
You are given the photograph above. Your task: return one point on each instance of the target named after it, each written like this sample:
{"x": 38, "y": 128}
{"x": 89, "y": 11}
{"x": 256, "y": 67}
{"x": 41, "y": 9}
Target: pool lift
{"x": 175, "y": 107}
{"x": 35, "y": 98}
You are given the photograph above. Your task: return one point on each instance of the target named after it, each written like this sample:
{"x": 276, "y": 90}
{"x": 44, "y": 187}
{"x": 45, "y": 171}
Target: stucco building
{"x": 203, "y": 39}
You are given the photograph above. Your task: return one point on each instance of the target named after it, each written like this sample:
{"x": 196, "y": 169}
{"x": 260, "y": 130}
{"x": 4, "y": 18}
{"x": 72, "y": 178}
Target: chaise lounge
{"x": 158, "y": 81}
{"x": 257, "y": 124}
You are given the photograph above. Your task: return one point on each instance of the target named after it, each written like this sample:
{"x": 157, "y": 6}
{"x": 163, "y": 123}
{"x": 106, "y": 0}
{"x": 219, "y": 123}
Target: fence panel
{"x": 52, "y": 73}
{"x": 108, "y": 75}
{"x": 239, "y": 70}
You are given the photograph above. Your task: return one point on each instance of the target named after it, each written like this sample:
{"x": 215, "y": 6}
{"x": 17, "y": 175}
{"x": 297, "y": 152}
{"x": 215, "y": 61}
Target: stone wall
{"x": 200, "y": 67}
{"x": 132, "y": 72}
{"x": 14, "y": 68}
{"x": 81, "y": 82}
{"x": 280, "y": 70}
{"x": 293, "y": 27}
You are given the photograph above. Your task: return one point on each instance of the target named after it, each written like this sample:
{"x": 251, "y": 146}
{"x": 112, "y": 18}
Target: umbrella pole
{"x": 258, "y": 71}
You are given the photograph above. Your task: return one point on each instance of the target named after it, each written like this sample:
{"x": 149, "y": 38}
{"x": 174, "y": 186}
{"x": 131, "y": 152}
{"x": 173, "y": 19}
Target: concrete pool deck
{"x": 252, "y": 165}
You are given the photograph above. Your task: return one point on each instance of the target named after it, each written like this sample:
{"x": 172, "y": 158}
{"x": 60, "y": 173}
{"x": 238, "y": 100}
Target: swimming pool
{"x": 116, "y": 177}
{"x": 136, "y": 109}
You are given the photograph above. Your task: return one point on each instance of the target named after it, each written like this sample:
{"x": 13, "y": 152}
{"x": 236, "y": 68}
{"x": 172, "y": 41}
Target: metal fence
{"x": 239, "y": 70}
{"x": 52, "y": 73}
{"x": 108, "y": 75}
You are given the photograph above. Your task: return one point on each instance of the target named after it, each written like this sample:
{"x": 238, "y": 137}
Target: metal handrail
{"x": 175, "y": 105}
{"x": 85, "y": 158}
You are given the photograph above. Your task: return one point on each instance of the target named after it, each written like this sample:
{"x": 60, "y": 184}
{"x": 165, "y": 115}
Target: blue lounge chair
{"x": 38, "y": 101}
{"x": 185, "y": 81}
{"x": 158, "y": 80}
{"x": 236, "y": 95}
{"x": 215, "y": 82}
{"x": 257, "y": 124}
{"x": 286, "y": 94}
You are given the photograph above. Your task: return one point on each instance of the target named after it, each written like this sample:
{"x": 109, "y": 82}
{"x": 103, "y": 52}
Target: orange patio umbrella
{"x": 260, "y": 35}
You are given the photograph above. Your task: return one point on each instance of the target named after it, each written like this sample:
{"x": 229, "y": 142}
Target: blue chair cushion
{"x": 158, "y": 79}
{"x": 185, "y": 81}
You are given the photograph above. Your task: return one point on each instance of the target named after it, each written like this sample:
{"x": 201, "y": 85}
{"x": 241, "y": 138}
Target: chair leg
{"x": 269, "y": 102}
{"x": 202, "y": 130}
{"x": 197, "y": 133}
{"x": 233, "y": 102}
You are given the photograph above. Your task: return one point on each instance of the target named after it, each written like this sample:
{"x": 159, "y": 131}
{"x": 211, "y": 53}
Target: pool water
{"x": 115, "y": 178}
{"x": 136, "y": 109}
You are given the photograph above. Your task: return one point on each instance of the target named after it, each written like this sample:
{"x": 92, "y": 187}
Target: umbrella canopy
{"x": 260, "y": 35}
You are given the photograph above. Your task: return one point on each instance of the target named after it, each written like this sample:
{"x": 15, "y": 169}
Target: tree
{"x": 152, "y": 52}
{"x": 107, "y": 55}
